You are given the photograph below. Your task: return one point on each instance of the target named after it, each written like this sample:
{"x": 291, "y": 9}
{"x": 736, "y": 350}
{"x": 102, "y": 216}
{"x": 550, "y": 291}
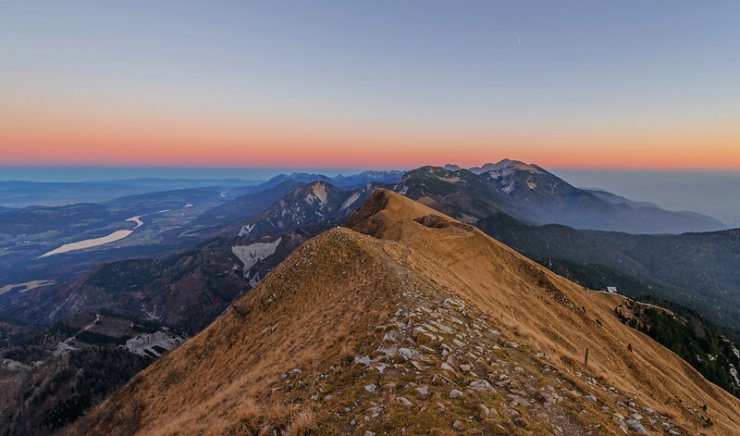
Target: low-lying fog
{"x": 713, "y": 193}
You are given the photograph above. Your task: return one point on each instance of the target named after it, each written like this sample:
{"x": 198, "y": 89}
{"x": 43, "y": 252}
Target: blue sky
{"x": 500, "y": 78}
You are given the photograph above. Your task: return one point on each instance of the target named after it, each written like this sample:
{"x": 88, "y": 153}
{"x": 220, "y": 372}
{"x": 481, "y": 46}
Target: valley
{"x": 90, "y": 243}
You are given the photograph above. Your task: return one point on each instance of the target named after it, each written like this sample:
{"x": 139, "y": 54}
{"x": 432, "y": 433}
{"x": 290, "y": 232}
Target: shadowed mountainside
{"x": 698, "y": 270}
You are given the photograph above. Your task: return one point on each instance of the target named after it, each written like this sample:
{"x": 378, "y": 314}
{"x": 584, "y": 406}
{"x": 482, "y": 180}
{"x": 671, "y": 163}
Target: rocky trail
{"x": 440, "y": 361}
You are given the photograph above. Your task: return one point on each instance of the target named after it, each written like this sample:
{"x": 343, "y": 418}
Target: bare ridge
{"x": 410, "y": 320}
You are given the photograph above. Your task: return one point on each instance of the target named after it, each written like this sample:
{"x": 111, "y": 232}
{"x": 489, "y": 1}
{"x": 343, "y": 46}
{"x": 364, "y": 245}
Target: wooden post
{"x": 585, "y": 360}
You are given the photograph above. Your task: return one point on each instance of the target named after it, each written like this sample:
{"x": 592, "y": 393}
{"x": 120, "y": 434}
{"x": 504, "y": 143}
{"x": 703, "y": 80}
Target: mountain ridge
{"x": 368, "y": 329}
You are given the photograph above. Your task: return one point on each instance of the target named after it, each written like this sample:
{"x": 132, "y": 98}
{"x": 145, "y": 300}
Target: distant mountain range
{"x": 349, "y": 181}
{"x": 19, "y": 194}
{"x": 533, "y": 195}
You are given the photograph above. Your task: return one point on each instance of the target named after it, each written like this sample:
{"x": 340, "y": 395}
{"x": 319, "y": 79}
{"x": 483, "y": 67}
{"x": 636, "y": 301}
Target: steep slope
{"x": 698, "y": 270}
{"x": 534, "y": 195}
{"x": 422, "y": 324}
{"x": 696, "y": 341}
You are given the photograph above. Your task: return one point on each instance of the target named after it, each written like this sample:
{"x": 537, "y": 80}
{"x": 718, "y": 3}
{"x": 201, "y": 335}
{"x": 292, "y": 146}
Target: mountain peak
{"x": 385, "y": 208}
{"x": 507, "y": 166}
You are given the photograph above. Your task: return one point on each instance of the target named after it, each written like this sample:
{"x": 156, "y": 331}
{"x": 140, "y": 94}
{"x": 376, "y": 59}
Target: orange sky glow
{"x": 101, "y": 141}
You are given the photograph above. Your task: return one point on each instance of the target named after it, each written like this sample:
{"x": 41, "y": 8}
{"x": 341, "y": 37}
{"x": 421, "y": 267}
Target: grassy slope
{"x": 698, "y": 270}
{"x": 283, "y": 356}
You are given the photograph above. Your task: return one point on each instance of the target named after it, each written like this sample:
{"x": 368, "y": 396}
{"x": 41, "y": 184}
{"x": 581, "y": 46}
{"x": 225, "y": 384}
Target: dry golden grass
{"x": 304, "y": 423}
{"x": 323, "y": 305}
{"x": 552, "y": 314}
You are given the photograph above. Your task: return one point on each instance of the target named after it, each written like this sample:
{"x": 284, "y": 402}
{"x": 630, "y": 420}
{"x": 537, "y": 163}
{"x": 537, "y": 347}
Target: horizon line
{"x": 333, "y": 168}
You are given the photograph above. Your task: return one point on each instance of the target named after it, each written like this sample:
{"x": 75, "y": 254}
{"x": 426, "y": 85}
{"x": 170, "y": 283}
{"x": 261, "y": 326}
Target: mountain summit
{"x": 411, "y": 321}
{"x": 507, "y": 166}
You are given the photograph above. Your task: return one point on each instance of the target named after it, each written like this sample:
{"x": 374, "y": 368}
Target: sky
{"x": 377, "y": 84}
{"x": 713, "y": 193}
